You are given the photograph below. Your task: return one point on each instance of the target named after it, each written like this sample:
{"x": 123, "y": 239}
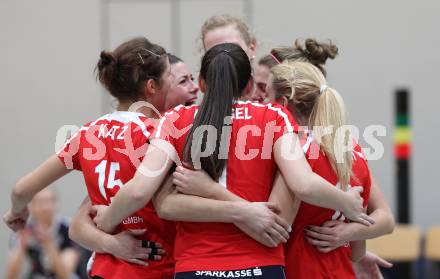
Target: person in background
{"x": 44, "y": 243}
{"x": 225, "y": 28}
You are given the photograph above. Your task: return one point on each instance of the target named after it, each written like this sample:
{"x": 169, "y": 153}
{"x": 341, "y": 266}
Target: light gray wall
{"x": 48, "y": 52}
{"x": 49, "y": 49}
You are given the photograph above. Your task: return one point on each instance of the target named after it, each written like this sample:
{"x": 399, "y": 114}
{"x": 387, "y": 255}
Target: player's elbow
{"x": 73, "y": 231}
{"x": 303, "y": 191}
{"x": 138, "y": 197}
{"x": 390, "y": 224}
{"x": 357, "y": 256}
{"x": 165, "y": 207}
{"x": 20, "y": 192}
{"x": 164, "y": 210}
{"x": 139, "y": 193}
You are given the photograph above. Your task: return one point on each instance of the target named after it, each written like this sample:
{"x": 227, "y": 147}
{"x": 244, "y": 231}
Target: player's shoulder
{"x": 258, "y": 106}
{"x": 265, "y": 110}
{"x": 181, "y": 114}
{"x": 360, "y": 167}
{"x": 358, "y": 152}
{"x": 133, "y": 122}
{"x": 123, "y": 117}
{"x": 182, "y": 110}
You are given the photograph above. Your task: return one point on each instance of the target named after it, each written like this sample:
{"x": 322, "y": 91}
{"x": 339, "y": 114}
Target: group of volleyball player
{"x": 240, "y": 186}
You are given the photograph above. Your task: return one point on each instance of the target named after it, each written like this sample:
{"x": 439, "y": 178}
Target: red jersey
{"x": 249, "y": 173}
{"x": 108, "y": 151}
{"x": 303, "y": 260}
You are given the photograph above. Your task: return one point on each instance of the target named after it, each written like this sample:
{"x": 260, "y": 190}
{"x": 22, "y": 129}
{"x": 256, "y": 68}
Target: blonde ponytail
{"x": 305, "y": 87}
{"x": 329, "y": 111}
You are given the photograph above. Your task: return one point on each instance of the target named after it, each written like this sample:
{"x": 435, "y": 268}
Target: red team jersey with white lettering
{"x": 249, "y": 173}
{"x": 303, "y": 260}
{"x": 108, "y": 151}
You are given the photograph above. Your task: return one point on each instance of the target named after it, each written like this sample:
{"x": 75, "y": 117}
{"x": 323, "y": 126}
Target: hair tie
{"x": 227, "y": 52}
{"x": 306, "y": 53}
{"x": 274, "y": 58}
{"x": 292, "y": 93}
{"x": 323, "y": 88}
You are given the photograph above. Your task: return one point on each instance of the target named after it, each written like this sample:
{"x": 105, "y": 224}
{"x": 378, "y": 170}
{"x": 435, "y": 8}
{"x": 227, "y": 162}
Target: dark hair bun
{"x": 106, "y": 67}
{"x": 107, "y": 59}
{"x": 124, "y": 71}
{"x": 318, "y": 53}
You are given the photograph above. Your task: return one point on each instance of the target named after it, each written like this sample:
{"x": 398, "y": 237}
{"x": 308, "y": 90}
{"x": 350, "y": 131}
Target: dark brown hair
{"x": 174, "y": 59}
{"x": 124, "y": 71}
{"x": 313, "y": 52}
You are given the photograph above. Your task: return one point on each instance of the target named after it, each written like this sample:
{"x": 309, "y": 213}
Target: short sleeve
{"x": 174, "y": 125}
{"x": 362, "y": 169}
{"x": 165, "y": 129}
{"x": 285, "y": 123}
{"x": 69, "y": 153}
{"x": 367, "y": 189}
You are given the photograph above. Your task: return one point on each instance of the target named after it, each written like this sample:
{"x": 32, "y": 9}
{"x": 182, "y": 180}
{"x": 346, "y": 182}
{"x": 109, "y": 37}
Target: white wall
{"x": 49, "y": 49}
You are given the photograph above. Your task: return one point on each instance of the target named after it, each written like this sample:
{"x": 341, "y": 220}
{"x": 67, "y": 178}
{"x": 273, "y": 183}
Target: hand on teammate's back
{"x": 99, "y": 212}
{"x": 194, "y": 182}
{"x": 354, "y": 210}
{"x": 329, "y": 236}
{"x": 260, "y": 221}
{"x": 127, "y": 247}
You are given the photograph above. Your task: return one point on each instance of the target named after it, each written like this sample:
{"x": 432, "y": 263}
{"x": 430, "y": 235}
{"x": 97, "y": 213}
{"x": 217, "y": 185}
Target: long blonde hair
{"x": 305, "y": 87}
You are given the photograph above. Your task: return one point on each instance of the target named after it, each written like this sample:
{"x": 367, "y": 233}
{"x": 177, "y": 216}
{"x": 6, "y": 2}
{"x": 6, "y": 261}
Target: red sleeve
{"x": 363, "y": 170}
{"x": 285, "y": 123}
{"x": 165, "y": 128}
{"x": 174, "y": 125}
{"x": 69, "y": 153}
{"x": 367, "y": 189}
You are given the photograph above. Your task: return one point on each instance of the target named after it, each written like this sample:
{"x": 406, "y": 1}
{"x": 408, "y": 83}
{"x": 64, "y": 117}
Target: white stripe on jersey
{"x": 250, "y": 102}
{"x": 310, "y": 139}
{"x": 175, "y": 109}
{"x": 306, "y": 146}
{"x": 121, "y": 116}
{"x": 222, "y": 178}
{"x": 269, "y": 106}
{"x": 83, "y": 128}
{"x": 359, "y": 154}
{"x": 159, "y": 127}
{"x": 127, "y": 117}
{"x": 68, "y": 141}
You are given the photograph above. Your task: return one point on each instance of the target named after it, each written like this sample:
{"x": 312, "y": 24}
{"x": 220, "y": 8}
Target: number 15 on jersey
{"x": 111, "y": 182}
